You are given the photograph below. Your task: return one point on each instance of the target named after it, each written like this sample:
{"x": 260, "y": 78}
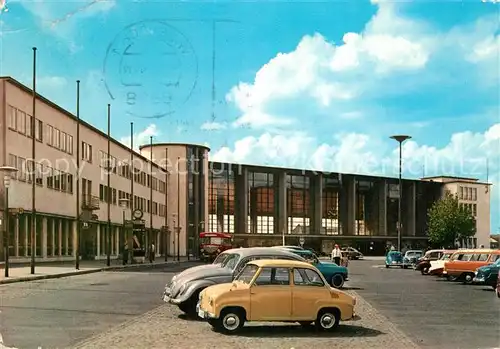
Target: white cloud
{"x": 52, "y": 81}
{"x": 141, "y": 137}
{"x": 213, "y": 126}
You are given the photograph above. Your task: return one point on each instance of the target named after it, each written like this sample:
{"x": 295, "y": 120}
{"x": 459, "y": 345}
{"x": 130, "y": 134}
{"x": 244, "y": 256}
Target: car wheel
{"x": 189, "y": 306}
{"x": 328, "y": 319}
{"x": 387, "y": 266}
{"x": 468, "y": 278}
{"x": 425, "y": 271}
{"x": 337, "y": 280}
{"x": 230, "y": 321}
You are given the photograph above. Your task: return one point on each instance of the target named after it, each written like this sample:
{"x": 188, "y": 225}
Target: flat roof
{"x": 451, "y": 177}
{"x": 71, "y": 115}
{"x": 174, "y": 144}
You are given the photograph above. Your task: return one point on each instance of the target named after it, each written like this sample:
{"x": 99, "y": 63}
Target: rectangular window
{"x": 57, "y": 180}
{"x": 12, "y": 117}
{"x": 474, "y": 194}
{"x": 70, "y": 183}
{"x": 30, "y": 171}
{"x": 21, "y": 122}
{"x": 56, "y": 138}
{"x": 39, "y": 174}
{"x": 306, "y": 277}
{"x": 63, "y": 142}
{"x": 50, "y": 178}
{"x": 29, "y": 122}
{"x": 21, "y": 167}
{"x": 86, "y": 152}
{"x": 50, "y": 135}
{"x": 69, "y": 145}
{"x": 64, "y": 182}
{"x": 39, "y": 130}
{"x": 13, "y": 163}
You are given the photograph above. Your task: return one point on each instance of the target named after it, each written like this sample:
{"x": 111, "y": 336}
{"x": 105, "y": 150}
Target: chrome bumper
{"x": 204, "y": 314}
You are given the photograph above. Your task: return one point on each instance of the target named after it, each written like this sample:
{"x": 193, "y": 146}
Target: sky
{"x": 303, "y": 84}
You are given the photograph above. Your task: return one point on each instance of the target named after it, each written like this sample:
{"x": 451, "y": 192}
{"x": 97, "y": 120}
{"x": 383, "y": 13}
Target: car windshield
{"x": 445, "y": 256}
{"x": 246, "y": 275}
{"x": 221, "y": 258}
{"x": 231, "y": 261}
{"x": 395, "y": 254}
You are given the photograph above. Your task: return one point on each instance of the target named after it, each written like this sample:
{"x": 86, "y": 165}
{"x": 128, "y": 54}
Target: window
{"x": 30, "y": 171}
{"x": 307, "y": 277}
{"x": 69, "y": 144}
{"x": 63, "y": 142}
{"x": 474, "y": 210}
{"x": 12, "y": 117}
{"x": 56, "y": 138}
{"x": 29, "y": 121}
{"x": 466, "y": 257}
{"x": 102, "y": 193}
{"x": 21, "y": 167}
{"x": 461, "y": 193}
{"x": 21, "y": 122}
{"x": 39, "y": 174}
{"x": 50, "y": 178}
{"x": 273, "y": 276}
{"x": 483, "y": 257}
{"x": 247, "y": 274}
{"x": 50, "y": 135}
{"x": 86, "y": 152}
{"x": 38, "y": 130}
{"x": 474, "y": 194}
{"x": 57, "y": 180}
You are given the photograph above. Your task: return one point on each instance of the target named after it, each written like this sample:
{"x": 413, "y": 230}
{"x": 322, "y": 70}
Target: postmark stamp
{"x": 151, "y": 68}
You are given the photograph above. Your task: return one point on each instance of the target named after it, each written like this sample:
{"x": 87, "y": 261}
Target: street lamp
{"x": 400, "y": 139}
{"x": 124, "y": 202}
{"x": 7, "y": 171}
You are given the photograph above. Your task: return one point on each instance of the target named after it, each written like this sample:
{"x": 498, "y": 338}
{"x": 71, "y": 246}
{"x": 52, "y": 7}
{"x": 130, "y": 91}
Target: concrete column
{"x": 351, "y": 206}
{"x": 67, "y": 225}
{"x": 26, "y": 232}
{"x": 44, "y": 237}
{"x": 59, "y": 236}
{"x": 411, "y": 202}
{"x": 317, "y": 204}
{"x": 282, "y": 204}
{"x": 382, "y": 209}
{"x": 16, "y": 236}
{"x": 73, "y": 237}
{"x": 98, "y": 244}
{"x": 54, "y": 227}
{"x": 241, "y": 202}
{"x": 117, "y": 241}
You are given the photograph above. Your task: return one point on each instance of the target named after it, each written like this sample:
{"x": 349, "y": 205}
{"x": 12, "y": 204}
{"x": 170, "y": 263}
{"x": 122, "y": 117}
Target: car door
{"x": 308, "y": 287}
{"x": 271, "y": 295}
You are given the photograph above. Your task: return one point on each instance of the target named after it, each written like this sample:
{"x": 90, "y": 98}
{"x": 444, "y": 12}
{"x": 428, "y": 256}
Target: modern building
{"x": 181, "y": 193}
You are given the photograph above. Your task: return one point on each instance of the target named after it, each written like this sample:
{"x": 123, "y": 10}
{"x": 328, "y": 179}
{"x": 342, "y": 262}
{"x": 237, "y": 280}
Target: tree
{"x": 449, "y": 221}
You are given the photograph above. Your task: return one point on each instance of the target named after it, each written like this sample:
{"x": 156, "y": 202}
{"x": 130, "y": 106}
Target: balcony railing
{"x": 90, "y": 202}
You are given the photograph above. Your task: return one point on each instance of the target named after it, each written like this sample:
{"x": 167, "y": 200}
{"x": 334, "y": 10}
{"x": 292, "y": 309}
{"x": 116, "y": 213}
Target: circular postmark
{"x": 151, "y": 68}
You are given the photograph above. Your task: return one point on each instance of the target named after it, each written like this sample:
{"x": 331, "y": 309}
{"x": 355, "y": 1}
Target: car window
{"x": 457, "y": 257}
{"x": 495, "y": 257}
{"x": 483, "y": 257}
{"x": 434, "y": 255}
{"x": 306, "y": 277}
{"x": 474, "y": 257}
{"x": 231, "y": 261}
{"x": 273, "y": 276}
{"x": 466, "y": 257}
{"x": 247, "y": 274}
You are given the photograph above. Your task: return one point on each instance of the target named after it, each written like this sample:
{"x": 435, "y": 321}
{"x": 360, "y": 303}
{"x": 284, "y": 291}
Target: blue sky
{"x": 302, "y": 84}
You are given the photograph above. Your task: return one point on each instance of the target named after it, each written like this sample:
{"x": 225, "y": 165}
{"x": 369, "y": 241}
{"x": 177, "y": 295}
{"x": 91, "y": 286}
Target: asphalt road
{"x": 60, "y": 312}
{"x": 433, "y": 312}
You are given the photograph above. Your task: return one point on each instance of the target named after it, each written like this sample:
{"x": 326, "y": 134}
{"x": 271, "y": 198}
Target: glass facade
{"x": 221, "y": 197}
{"x": 261, "y": 203}
{"x": 298, "y": 204}
{"x": 195, "y": 197}
{"x": 330, "y": 224}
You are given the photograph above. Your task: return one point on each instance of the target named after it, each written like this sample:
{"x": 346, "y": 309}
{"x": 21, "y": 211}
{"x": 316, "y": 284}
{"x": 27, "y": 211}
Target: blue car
{"x": 394, "y": 259}
{"x": 488, "y": 274}
{"x": 335, "y": 274}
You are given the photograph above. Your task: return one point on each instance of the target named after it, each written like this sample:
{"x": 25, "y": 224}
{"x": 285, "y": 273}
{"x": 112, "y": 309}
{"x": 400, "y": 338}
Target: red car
{"x": 498, "y": 286}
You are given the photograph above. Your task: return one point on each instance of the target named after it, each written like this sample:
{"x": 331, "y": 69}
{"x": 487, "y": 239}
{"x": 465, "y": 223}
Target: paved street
{"x": 434, "y": 313}
{"x": 123, "y": 309}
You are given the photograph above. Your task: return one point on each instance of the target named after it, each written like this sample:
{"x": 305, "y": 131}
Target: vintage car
{"x": 335, "y": 274}
{"x": 276, "y": 290}
{"x": 488, "y": 274}
{"x": 424, "y": 264}
{"x": 352, "y": 253}
{"x": 411, "y": 257}
{"x": 184, "y": 288}
{"x": 462, "y": 264}
{"x": 394, "y": 259}
{"x": 497, "y": 289}
{"x": 437, "y": 267}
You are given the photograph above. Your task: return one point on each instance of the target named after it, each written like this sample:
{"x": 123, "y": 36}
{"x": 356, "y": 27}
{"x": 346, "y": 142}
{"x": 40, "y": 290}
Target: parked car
{"x": 424, "y": 263}
{"x": 394, "y": 259}
{"x": 276, "y": 290}
{"x": 463, "y": 263}
{"x": 185, "y": 287}
{"x": 335, "y": 274}
{"x": 497, "y": 290}
{"x": 290, "y": 247}
{"x": 437, "y": 267}
{"x": 352, "y": 253}
{"x": 488, "y": 274}
{"x": 411, "y": 257}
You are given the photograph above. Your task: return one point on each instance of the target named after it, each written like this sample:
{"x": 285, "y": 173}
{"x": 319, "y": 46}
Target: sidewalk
{"x": 53, "y": 270}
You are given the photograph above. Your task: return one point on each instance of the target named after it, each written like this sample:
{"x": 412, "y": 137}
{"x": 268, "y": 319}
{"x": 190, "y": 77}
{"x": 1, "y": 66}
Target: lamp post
{"x": 400, "y": 139}
{"x": 7, "y": 174}
{"x": 124, "y": 205}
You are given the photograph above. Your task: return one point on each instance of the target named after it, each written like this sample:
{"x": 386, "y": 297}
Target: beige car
{"x": 279, "y": 291}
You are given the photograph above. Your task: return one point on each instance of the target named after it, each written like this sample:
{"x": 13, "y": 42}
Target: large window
{"x": 298, "y": 205}
{"x": 261, "y": 203}
{"x": 221, "y": 199}
{"x": 330, "y": 215}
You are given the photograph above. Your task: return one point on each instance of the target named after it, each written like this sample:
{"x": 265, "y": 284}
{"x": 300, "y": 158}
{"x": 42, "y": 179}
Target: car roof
{"x": 281, "y": 263}
{"x": 414, "y": 251}
{"x": 261, "y": 251}
{"x": 394, "y": 252}
{"x": 478, "y": 250}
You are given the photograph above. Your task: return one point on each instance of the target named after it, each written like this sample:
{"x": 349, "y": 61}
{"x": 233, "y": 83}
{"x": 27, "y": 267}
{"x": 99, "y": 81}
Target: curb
{"x": 89, "y": 271}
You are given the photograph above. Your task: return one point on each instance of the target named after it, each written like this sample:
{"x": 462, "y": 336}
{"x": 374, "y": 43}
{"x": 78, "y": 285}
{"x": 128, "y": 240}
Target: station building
{"x": 181, "y": 193}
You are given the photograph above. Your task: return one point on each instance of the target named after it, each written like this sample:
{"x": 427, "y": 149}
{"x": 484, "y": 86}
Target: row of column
{"x": 347, "y": 205}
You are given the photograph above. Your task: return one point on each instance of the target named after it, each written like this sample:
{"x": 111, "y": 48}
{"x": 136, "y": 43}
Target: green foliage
{"x": 448, "y": 221}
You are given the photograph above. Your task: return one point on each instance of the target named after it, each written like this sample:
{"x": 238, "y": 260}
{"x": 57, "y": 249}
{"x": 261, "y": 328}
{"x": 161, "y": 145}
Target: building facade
{"x": 181, "y": 193}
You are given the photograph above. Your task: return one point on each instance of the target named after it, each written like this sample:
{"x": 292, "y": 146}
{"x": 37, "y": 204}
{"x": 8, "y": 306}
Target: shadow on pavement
{"x": 187, "y": 317}
{"x": 298, "y": 331}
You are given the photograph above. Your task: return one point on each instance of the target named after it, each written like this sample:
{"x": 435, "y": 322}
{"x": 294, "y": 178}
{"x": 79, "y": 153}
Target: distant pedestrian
{"x": 125, "y": 254}
{"x": 152, "y": 253}
{"x": 336, "y": 254}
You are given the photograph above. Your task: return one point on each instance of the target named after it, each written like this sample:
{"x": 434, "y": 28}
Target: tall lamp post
{"x": 123, "y": 202}
{"x": 7, "y": 174}
{"x": 400, "y": 139}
